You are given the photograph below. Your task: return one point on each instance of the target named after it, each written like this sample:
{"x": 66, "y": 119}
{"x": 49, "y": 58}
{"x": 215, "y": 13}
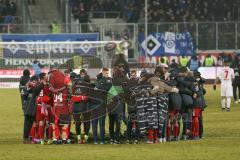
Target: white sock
{"x": 228, "y": 102}
{"x": 223, "y": 102}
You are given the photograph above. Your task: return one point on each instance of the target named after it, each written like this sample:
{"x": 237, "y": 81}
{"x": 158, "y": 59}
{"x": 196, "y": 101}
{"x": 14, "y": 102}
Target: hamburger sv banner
{"x": 166, "y": 43}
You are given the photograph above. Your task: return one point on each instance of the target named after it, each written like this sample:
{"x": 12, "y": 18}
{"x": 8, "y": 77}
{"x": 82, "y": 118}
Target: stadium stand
{"x": 163, "y": 10}
{"x": 8, "y": 10}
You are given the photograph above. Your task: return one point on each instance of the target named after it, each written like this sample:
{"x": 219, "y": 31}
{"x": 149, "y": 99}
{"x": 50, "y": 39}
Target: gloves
{"x": 214, "y": 87}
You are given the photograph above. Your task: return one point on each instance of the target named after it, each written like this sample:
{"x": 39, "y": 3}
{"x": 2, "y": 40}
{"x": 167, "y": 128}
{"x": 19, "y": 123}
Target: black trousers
{"x": 28, "y": 122}
{"x": 187, "y": 119}
{"x": 114, "y": 126}
{"x": 80, "y": 118}
{"x": 235, "y": 87}
{"x": 132, "y": 127}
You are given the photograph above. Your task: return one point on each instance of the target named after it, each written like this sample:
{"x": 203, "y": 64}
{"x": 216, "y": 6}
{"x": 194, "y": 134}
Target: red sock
{"x": 176, "y": 130}
{"x": 168, "y": 131}
{"x": 50, "y": 132}
{"x": 66, "y": 131}
{"x": 195, "y": 127}
{"x": 155, "y": 134}
{"x": 41, "y": 132}
{"x": 33, "y": 132}
{"x": 150, "y": 135}
{"x": 56, "y": 132}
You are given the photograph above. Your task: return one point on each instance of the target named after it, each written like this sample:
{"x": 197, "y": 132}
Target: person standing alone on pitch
{"x": 226, "y": 77}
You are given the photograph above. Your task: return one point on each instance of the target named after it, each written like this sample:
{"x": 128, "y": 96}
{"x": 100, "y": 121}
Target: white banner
{"x": 29, "y": 62}
{"x": 170, "y": 43}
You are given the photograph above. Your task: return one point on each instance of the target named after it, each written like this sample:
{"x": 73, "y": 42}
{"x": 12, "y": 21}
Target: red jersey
{"x": 61, "y": 102}
{"x": 45, "y": 96}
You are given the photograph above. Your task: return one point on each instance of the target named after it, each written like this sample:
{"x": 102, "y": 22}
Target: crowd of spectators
{"x": 162, "y": 10}
{"x": 8, "y": 11}
{"x": 81, "y": 8}
{"x": 8, "y": 18}
{"x": 193, "y": 10}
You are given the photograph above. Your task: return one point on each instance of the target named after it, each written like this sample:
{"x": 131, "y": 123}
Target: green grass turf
{"x": 221, "y": 142}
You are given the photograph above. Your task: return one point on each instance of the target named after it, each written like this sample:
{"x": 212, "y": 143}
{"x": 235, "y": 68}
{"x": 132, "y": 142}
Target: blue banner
{"x": 22, "y": 50}
{"x": 166, "y": 43}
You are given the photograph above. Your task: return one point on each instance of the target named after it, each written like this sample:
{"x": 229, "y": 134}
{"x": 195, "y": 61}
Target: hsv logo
{"x": 86, "y": 47}
{"x": 13, "y": 48}
{"x": 152, "y": 45}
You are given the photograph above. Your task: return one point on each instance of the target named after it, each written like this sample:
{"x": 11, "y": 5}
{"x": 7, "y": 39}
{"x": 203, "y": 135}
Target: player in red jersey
{"x": 43, "y": 111}
{"x": 61, "y": 110}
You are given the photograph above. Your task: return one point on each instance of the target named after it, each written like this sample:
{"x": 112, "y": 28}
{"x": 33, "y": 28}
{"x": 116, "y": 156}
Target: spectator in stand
{"x": 55, "y": 27}
{"x": 31, "y": 2}
{"x": 75, "y": 12}
{"x": 13, "y": 9}
{"x": 8, "y": 11}
{"x": 8, "y": 19}
{"x": 83, "y": 17}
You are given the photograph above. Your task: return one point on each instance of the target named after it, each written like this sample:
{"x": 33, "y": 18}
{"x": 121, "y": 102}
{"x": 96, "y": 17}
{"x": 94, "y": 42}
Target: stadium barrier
{"x": 206, "y": 35}
{"x": 208, "y": 38}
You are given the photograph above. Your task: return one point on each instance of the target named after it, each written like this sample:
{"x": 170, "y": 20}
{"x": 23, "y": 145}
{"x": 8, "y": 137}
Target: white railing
{"x": 109, "y": 14}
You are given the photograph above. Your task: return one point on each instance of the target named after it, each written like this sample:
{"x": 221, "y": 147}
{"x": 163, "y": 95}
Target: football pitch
{"x": 221, "y": 138}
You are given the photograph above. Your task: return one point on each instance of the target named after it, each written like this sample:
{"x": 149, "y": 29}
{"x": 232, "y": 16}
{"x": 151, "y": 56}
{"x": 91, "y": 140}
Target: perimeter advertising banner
{"x": 27, "y": 50}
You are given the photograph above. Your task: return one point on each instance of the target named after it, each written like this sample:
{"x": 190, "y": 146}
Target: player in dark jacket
{"x": 23, "y": 86}
{"x": 132, "y": 126}
{"x": 186, "y": 89}
{"x": 99, "y": 108}
{"x": 80, "y": 105}
{"x": 115, "y": 111}
{"x": 174, "y": 109}
{"x": 199, "y": 106}
{"x": 34, "y": 89}
{"x": 236, "y": 83}
{"x": 26, "y": 94}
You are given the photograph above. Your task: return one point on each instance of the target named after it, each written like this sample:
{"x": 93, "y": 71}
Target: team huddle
{"x": 152, "y": 107}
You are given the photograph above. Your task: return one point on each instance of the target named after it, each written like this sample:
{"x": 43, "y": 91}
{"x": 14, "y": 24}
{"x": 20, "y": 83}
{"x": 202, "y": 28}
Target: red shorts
{"x": 196, "y": 112}
{"x": 61, "y": 109}
{"x": 173, "y": 113}
{"x": 43, "y": 113}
